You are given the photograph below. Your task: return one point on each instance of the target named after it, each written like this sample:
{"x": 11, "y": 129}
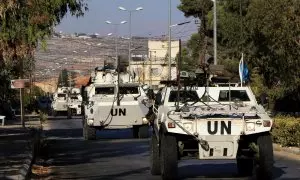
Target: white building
{"x": 155, "y": 68}
{"x": 159, "y": 48}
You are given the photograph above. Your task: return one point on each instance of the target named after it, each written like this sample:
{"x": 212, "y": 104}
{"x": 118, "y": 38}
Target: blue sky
{"x": 152, "y": 20}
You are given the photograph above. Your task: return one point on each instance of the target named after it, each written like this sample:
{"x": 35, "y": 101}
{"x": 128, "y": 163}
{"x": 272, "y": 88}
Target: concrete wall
{"x": 159, "y": 71}
{"x": 159, "y": 48}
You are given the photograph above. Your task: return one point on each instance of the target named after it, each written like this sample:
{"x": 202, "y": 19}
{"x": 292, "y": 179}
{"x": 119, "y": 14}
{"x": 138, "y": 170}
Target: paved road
{"x": 115, "y": 155}
{"x": 14, "y": 148}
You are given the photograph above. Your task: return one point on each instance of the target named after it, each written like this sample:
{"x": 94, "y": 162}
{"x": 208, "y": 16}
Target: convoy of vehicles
{"x": 210, "y": 120}
{"x": 67, "y": 100}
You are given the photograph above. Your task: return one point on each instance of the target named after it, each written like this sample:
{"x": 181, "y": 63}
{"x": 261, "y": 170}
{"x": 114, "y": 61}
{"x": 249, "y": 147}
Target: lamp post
{"x": 169, "y": 46}
{"x": 130, "y": 34}
{"x": 215, "y": 31}
{"x": 116, "y": 37}
{"x": 171, "y": 26}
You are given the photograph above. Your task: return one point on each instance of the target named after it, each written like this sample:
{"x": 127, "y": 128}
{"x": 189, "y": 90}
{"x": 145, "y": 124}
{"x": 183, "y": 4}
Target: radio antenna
{"x": 178, "y": 76}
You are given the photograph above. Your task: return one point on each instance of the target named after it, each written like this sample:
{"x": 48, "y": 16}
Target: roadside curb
{"x": 293, "y": 150}
{"x": 31, "y": 151}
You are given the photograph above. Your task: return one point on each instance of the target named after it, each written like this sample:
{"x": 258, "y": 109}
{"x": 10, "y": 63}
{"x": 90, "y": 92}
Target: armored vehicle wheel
{"x": 69, "y": 115}
{"x": 89, "y": 133}
{"x": 154, "y": 156}
{"x": 141, "y": 131}
{"x": 266, "y": 157}
{"x": 245, "y": 166}
{"x": 54, "y": 113}
{"x": 169, "y": 157}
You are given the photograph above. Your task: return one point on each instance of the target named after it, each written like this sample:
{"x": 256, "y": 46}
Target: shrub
{"x": 286, "y": 131}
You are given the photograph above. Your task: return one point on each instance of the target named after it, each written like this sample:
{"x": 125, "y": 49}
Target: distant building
{"x": 160, "y": 48}
{"x": 154, "y": 68}
{"x": 159, "y": 71}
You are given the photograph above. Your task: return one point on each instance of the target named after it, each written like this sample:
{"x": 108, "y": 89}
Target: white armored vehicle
{"x": 111, "y": 101}
{"x": 60, "y": 101}
{"x": 74, "y": 101}
{"x": 211, "y": 123}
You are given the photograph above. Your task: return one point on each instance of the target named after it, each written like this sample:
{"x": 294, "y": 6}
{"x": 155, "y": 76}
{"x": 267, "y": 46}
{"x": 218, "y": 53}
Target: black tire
{"x": 69, "y": 115}
{"x": 265, "y": 161}
{"x": 54, "y": 113}
{"x": 168, "y": 157}
{"x": 245, "y": 167}
{"x": 135, "y": 132}
{"x": 140, "y": 131}
{"x": 89, "y": 133}
{"x": 154, "y": 156}
{"x": 143, "y": 132}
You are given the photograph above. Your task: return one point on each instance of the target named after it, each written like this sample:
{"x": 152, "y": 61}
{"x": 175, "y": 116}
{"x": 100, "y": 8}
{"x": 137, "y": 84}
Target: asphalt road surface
{"x": 116, "y": 155}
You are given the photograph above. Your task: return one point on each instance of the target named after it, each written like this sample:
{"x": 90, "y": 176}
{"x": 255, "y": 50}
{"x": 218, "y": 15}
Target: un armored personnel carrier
{"x": 60, "y": 101}
{"x": 221, "y": 121}
{"x": 112, "y": 101}
{"x": 74, "y": 102}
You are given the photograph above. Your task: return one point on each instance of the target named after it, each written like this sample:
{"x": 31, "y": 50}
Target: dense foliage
{"x": 23, "y": 24}
{"x": 286, "y": 131}
{"x": 266, "y": 31}
{"x": 66, "y": 78}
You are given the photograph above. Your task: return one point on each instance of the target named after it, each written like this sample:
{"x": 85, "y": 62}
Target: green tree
{"x": 267, "y": 32}
{"x": 198, "y": 9}
{"x": 194, "y": 45}
{"x": 23, "y": 24}
{"x": 273, "y": 34}
{"x": 187, "y": 62}
{"x": 63, "y": 79}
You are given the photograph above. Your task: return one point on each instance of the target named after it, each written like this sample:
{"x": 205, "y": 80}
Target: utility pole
{"x": 215, "y": 32}
{"x": 143, "y": 72}
{"x": 22, "y": 94}
{"x": 116, "y": 41}
{"x": 130, "y": 33}
{"x": 178, "y": 75}
{"x": 118, "y": 85}
{"x": 150, "y": 71}
{"x": 130, "y": 37}
{"x": 169, "y": 30}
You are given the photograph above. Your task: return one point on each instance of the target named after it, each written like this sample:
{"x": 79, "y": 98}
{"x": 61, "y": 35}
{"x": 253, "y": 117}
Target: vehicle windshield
{"x": 74, "y": 97}
{"x": 184, "y": 96}
{"x": 104, "y": 90}
{"x": 129, "y": 90}
{"x": 61, "y": 95}
{"x": 236, "y": 95}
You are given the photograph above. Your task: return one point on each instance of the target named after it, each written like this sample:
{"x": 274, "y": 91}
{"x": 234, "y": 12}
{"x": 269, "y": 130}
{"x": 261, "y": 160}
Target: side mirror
{"x": 145, "y": 87}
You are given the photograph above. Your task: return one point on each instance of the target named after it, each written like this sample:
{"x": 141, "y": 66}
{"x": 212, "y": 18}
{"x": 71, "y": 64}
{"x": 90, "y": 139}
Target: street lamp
{"x": 116, "y": 31}
{"x": 130, "y": 34}
{"x": 215, "y": 31}
{"x": 122, "y": 22}
{"x": 170, "y": 48}
{"x": 169, "y": 32}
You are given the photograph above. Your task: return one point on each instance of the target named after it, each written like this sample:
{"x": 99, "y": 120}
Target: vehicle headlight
{"x": 145, "y": 120}
{"x": 250, "y": 126}
{"x": 90, "y": 122}
{"x": 267, "y": 123}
